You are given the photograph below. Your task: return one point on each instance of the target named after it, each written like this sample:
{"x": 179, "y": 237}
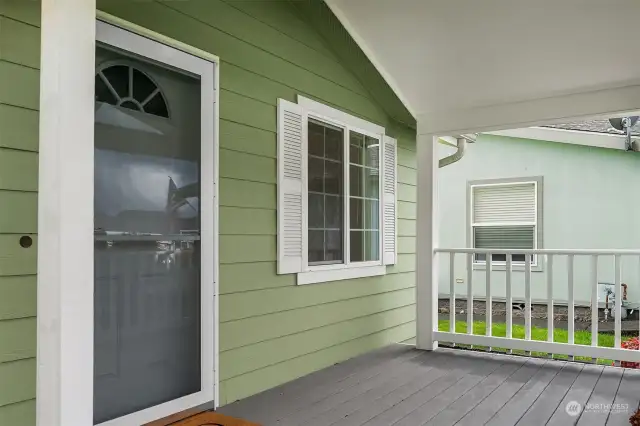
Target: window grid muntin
{"x": 325, "y": 195}
{"x": 332, "y": 123}
{"x": 129, "y": 97}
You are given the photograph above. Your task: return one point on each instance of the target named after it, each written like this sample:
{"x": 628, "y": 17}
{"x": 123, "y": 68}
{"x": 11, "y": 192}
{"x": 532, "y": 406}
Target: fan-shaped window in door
{"x": 128, "y": 87}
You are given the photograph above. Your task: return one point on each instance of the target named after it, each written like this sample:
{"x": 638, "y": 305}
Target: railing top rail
{"x": 598, "y": 252}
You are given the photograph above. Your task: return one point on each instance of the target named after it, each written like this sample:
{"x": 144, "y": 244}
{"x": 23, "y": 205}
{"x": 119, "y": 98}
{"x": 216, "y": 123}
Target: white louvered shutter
{"x": 504, "y": 216}
{"x": 292, "y": 185}
{"x": 389, "y": 201}
{"x": 504, "y": 203}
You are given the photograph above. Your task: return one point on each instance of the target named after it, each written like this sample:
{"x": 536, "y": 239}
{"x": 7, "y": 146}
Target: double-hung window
{"x": 505, "y": 215}
{"x": 336, "y": 194}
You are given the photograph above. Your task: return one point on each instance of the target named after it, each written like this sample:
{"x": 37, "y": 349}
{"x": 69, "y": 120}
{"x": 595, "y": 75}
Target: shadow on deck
{"x": 402, "y": 386}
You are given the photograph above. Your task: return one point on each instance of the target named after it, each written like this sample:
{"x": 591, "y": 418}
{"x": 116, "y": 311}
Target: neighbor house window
{"x": 505, "y": 215}
{"x": 337, "y": 194}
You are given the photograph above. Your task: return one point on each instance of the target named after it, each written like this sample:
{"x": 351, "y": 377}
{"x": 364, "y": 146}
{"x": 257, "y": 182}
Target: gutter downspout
{"x": 461, "y": 144}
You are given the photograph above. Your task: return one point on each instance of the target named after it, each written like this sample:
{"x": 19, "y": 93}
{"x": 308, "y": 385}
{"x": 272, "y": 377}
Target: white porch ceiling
{"x": 460, "y": 64}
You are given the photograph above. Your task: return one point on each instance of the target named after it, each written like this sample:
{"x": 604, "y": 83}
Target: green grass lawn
{"x": 537, "y": 333}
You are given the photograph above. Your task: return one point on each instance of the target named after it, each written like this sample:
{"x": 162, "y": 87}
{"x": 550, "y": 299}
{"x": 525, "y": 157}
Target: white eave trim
{"x": 574, "y": 137}
{"x": 368, "y": 52}
{"x": 314, "y": 277}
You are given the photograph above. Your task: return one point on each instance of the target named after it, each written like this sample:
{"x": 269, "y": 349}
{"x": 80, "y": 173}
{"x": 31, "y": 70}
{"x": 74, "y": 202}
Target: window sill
{"x": 323, "y": 276}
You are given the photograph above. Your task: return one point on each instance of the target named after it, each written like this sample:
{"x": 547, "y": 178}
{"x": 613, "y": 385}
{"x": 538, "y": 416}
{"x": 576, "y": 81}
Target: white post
{"x": 427, "y": 241}
{"x": 65, "y": 214}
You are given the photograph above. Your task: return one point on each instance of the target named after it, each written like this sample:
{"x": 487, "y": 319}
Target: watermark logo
{"x": 573, "y": 408}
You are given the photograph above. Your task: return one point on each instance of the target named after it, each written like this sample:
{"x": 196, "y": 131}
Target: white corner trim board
{"x": 574, "y": 137}
{"x": 314, "y": 277}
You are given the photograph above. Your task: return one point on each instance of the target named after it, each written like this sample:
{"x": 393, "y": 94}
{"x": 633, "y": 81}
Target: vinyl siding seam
{"x": 248, "y": 180}
{"x": 298, "y": 92}
{"x": 27, "y": 191}
{"x": 267, "y": 51}
{"x": 272, "y": 157}
{"x": 15, "y": 403}
{"x": 322, "y": 326}
{"x": 20, "y": 65}
{"x": 245, "y": 124}
{"x": 18, "y": 106}
{"x": 305, "y": 307}
{"x": 318, "y": 304}
{"x": 335, "y": 60}
{"x": 18, "y": 20}
{"x": 247, "y": 208}
{"x": 12, "y": 148}
{"x": 318, "y": 350}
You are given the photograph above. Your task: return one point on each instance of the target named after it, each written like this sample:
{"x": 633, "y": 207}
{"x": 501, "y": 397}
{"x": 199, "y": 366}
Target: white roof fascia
{"x": 369, "y": 53}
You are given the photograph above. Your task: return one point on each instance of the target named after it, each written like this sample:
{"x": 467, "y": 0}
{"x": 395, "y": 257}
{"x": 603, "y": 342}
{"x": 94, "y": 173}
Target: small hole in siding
{"x": 26, "y": 241}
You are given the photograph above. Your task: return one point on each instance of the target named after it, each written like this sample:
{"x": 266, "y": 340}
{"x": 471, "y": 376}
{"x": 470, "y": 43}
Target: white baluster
{"x": 509, "y": 302}
{"x": 550, "y": 300}
{"x": 452, "y": 293}
{"x": 488, "y": 301}
{"x": 618, "y": 302}
{"x": 571, "y": 309}
{"x": 527, "y": 299}
{"x": 470, "y": 293}
{"x": 594, "y": 301}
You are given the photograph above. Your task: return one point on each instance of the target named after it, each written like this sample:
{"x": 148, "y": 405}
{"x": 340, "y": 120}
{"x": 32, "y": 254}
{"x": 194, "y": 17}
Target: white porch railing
{"x": 527, "y": 344}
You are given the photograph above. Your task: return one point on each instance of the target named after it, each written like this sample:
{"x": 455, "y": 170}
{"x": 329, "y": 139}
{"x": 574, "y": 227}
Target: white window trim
{"x": 347, "y": 270}
{"x": 536, "y": 264}
{"x": 64, "y": 389}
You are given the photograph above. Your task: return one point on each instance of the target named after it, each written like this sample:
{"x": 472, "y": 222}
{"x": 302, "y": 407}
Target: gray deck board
{"x": 484, "y": 411}
{"x": 473, "y": 377}
{"x": 402, "y": 386}
{"x": 388, "y": 379}
{"x": 627, "y": 399}
{"x": 517, "y": 406}
{"x": 579, "y": 392}
{"x": 604, "y": 393}
{"x": 458, "y": 409}
{"x": 418, "y": 383}
{"x": 462, "y": 365}
{"x": 542, "y": 409}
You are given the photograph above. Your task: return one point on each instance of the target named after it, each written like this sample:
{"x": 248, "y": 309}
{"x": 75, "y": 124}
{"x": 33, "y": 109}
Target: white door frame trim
{"x": 65, "y": 356}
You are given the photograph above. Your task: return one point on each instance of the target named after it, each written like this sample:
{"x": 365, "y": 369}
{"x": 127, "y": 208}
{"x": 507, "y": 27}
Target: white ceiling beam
{"x": 609, "y": 102}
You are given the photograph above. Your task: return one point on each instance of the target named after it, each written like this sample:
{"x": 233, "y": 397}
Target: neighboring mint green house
{"x": 569, "y": 186}
{"x": 253, "y": 207}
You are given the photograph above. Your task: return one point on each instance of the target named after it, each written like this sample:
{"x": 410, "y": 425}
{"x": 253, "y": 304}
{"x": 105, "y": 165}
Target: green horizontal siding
{"x": 19, "y": 414}
{"x": 17, "y": 381}
{"x": 19, "y": 102}
{"x": 16, "y": 42}
{"x": 18, "y": 339}
{"x": 248, "y": 304}
{"x": 273, "y": 351}
{"x": 248, "y": 331}
{"x": 20, "y": 85}
{"x": 18, "y": 297}
{"x": 18, "y": 127}
{"x": 272, "y": 331}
